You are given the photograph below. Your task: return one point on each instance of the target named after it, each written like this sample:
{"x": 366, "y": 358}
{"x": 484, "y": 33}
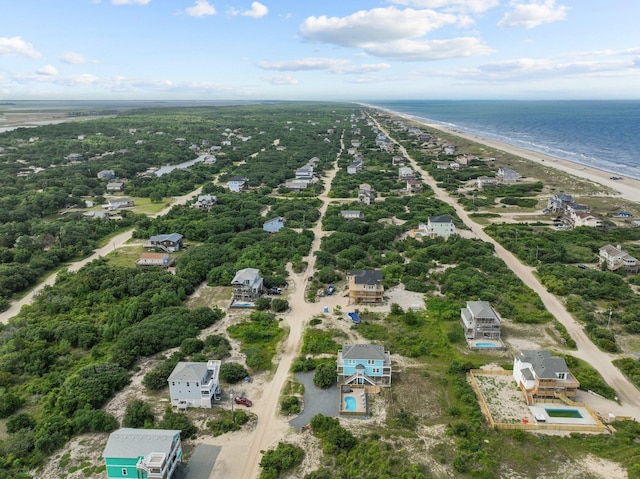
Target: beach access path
{"x": 627, "y": 393}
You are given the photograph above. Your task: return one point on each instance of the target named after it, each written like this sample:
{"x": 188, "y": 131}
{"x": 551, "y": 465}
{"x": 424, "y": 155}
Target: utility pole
{"x": 609, "y": 321}
{"x": 537, "y": 251}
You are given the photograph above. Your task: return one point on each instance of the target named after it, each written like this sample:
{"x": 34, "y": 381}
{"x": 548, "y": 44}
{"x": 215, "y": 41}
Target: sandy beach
{"x": 628, "y": 188}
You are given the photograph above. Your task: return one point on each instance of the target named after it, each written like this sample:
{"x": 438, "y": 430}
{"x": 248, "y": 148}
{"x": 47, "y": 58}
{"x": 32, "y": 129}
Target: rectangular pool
{"x": 568, "y": 413}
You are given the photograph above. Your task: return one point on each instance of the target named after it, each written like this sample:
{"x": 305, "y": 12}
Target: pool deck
{"x": 360, "y": 395}
{"x": 539, "y": 411}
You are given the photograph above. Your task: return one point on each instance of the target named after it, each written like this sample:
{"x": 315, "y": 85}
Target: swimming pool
{"x": 242, "y": 305}
{"x": 349, "y": 403}
{"x": 486, "y": 345}
{"x": 569, "y": 413}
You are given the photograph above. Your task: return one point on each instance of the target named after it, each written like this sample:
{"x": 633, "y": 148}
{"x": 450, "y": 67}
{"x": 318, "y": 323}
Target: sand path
{"x": 627, "y": 393}
{"x": 241, "y": 454}
{"x": 116, "y": 242}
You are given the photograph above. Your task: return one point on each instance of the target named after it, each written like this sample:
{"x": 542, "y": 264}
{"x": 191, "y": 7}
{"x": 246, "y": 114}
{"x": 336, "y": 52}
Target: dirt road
{"x": 240, "y": 455}
{"x": 628, "y": 395}
{"x": 116, "y": 242}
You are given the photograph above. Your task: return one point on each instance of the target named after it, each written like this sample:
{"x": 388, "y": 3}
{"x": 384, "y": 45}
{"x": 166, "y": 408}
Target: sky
{"x": 347, "y": 50}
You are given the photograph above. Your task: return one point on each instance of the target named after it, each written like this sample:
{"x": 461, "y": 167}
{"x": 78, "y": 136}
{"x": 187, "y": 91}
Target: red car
{"x": 243, "y": 400}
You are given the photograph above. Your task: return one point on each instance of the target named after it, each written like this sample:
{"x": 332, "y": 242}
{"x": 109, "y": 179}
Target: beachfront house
{"x": 480, "y": 322}
{"x": 161, "y": 260}
{"x": 582, "y": 218}
{"x": 364, "y": 364}
{"x": 542, "y": 376}
{"x": 486, "y": 181}
{"x": 616, "y": 258}
{"x": 137, "y": 453}
{"x": 166, "y": 242}
{"x": 195, "y": 384}
{"x": 438, "y": 227}
{"x": 507, "y": 175}
{"x": 237, "y": 183}
{"x": 365, "y": 286}
{"x": 559, "y": 202}
{"x": 247, "y": 285}
{"x": 274, "y": 225}
{"x": 366, "y": 194}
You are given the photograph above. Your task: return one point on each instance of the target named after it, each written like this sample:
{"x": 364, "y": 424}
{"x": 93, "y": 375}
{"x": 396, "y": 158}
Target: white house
{"x": 352, "y": 214}
{"x": 581, "y": 218}
{"x": 366, "y": 194}
{"x": 237, "y": 183}
{"x": 162, "y": 260}
{"x": 274, "y": 225}
{"x": 355, "y": 166}
{"x": 405, "y": 173}
{"x": 195, "y": 384}
{"x": 117, "y": 203}
{"x": 486, "y": 181}
{"x": 438, "y": 227}
{"x": 205, "y": 201}
{"x": 616, "y": 257}
{"x": 106, "y": 174}
{"x": 542, "y": 376}
{"x": 507, "y": 175}
{"x": 247, "y": 285}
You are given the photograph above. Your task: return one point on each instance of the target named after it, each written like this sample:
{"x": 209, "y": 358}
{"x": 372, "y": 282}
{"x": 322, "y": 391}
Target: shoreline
{"x": 627, "y": 187}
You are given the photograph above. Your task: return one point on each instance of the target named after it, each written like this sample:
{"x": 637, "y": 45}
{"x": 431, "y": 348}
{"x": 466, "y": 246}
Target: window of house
{"x": 375, "y": 370}
{"x": 562, "y": 375}
{"x": 173, "y": 383}
{"x": 187, "y": 383}
{"x": 370, "y": 361}
{"x": 197, "y": 384}
{"x": 125, "y": 472}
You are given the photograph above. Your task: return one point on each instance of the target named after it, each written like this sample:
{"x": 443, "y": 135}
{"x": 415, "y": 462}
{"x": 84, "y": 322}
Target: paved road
{"x": 628, "y": 395}
{"x": 115, "y": 242}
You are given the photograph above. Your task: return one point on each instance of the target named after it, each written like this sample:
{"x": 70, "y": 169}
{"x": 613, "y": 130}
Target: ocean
{"x": 601, "y": 134}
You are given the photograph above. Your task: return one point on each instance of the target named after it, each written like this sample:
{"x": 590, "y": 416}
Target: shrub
{"x": 191, "y": 346}
{"x": 279, "y": 305}
{"x": 176, "y": 420}
{"x": 232, "y": 373}
{"x": 227, "y": 421}
{"x": 284, "y": 457}
{"x": 325, "y": 376}
{"x": 20, "y": 421}
{"x": 290, "y": 405}
{"x": 263, "y": 304}
{"x": 138, "y": 414}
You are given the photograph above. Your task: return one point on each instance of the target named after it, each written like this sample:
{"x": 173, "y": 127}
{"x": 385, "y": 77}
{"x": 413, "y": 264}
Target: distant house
{"x": 405, "y": 173}
{"x": 486, "y": 181}
{"x": 106, "y": 174}
{"x": 449, "y": 150}
{"x": 398, "y": 160}
{"x": 205, "y": 201}
{"x": 117, "y": 203}
{"x": 438, "y": 227}
{"x": 149, "y": 453}
{"x": 115, "y": 186}
{"x": 414, "y": 186}
{"x": 507, "y": 175}
{"x": 352, "y": 214}
{"x": 355, "y": 143}
{"x": 162, "y": 260}
{"x": 355, "y": 167}
{"x": 366, "y": 194}
{"x": 195, "y": 384}
{"x": 480, "y": 321}
{"x": 247, "y": 285}
{"x": 580, "y": 218}
{"x": 365, "y": 364}
{"x": 616, "y": 257}
{"x": 237, "y": 183}
{"x": 304, "y": 173}
{"x": 365, "y": 286}
{"x": 623, "y": 214}
{"x": 559, "y": 202}
{"x": 542, "y": 376}
{"x": 167, "y": 242}
{"x": 74, "y": 156}
{"x": 274, "y": 225}
{"x": 297, "y": 185}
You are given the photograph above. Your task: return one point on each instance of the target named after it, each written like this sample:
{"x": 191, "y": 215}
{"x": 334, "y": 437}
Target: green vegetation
{"x": 630, "y": 367}
{"x": 138, "y": 414}
{"x": 227, "y": 421}
{"x": 259, "y": 335}
{"x": 325, "y": 375}
{"x": 290, "y": 405}
{"x": 232, "y": 373}
{"x": 279, "y": 460}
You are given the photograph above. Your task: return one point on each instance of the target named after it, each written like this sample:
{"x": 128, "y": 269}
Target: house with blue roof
{"x": 274, "y": 225}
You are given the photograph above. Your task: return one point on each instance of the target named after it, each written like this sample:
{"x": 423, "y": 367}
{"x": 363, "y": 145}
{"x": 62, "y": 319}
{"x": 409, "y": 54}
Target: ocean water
{"x": 600, "y": 134}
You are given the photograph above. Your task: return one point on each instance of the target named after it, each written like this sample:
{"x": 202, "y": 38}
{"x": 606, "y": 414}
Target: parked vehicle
{"x": 243, "y": 400}
{"x": 330, "y": 290}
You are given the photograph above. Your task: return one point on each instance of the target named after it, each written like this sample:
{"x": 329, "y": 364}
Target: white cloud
{"x": 608, "y": 53}
{"x": 531, "y": 15}
{"x": 429, "y": 50}
{"x": 130, "y": 2}
{"x": 281, "y": 80}
{"x": 378, "y": 25}
{"x": 48, "y": 70}
{"x": 16, "y": 46}
{"x": 306, "y": 64}
{"x": 258, "y": 10}
{"x": 201, "y": 9}
{"x": 74, "y": 58}
{"x": 474, "y": 6}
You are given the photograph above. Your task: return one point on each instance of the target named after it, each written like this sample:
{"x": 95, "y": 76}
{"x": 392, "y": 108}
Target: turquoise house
{"x": 142, "y": 453}
{"x": 365, "y": 364}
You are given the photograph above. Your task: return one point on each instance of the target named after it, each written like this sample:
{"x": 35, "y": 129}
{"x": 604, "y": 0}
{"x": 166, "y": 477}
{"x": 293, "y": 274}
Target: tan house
{"x": 542, "y": 376}
{"x": 616, "y": 257}
{"x": 365, "y": 286}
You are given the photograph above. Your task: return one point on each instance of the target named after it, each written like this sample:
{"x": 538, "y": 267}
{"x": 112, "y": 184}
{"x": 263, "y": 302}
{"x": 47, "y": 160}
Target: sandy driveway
{"x": 115, "y": 242}
{"x": 627, "y": 393}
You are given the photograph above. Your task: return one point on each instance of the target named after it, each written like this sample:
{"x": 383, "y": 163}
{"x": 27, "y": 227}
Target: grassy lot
{"x": 145, "y": 206}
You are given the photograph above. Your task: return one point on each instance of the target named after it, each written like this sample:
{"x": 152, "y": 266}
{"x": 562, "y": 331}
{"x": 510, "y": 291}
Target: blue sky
{"x": 319, "y": 50}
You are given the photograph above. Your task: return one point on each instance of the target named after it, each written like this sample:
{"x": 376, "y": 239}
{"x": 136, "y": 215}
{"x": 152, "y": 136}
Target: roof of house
{"x": 247, "y": 274}
{"x": 440, "y": 219}
{"x": 175, "y": 237}
{"x": 161, "y": 256}
{"x": 130, "y": 442}
{"x": 238, "y": 179}
{"x": 481, "y": 309}
{"x": 188, "y": 371}
{"x": 363, "y": 351}
{"x": 277, "y": 219}
{"x": 366, "y": 276}
{"x": 543, "y": 364}
{"x": 350, "y": 212}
